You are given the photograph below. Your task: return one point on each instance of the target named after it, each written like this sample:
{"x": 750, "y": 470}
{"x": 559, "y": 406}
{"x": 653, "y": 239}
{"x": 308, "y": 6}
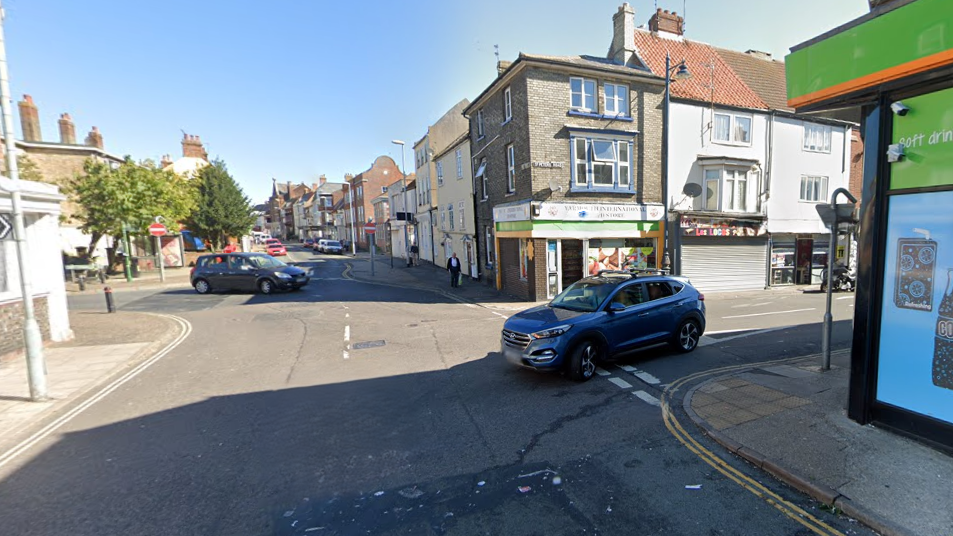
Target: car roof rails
{"x": 616, "y": 272}
{"x": 647, "y": 271}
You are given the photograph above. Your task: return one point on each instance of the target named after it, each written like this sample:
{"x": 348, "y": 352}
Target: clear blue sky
{"x": 292, "y": 89}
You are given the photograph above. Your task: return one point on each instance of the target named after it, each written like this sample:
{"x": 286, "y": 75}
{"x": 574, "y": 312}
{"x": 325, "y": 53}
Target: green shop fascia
{"x": 895, "y": 65}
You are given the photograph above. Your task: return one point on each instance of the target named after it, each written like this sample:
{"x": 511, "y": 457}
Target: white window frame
{"x": 732, "y": 128}
{"x": 583, "y": 94}
{"x": 507, "y": 105}
{"x": 481, "y": 131}
{"x": 727, "y": 183}
{"x": 620, "y": 169}
{"x": 459, "y": 164}
{"x": 814, "y": 189}
{"x": 439, "y": 173}
{"x": 481, "y": 174}
{"x": 450, "y": 215}
{"x": 490, "y": 246}
{"x": 461, "y": 206}
{"x": 619, "y": 105}
{"x": 817, "y": 138}
{"x": 510, "y": 169}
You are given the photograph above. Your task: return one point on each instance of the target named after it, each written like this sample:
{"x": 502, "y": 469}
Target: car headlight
{"x": 282, "y": 275}
{"x": 551, "y": 332}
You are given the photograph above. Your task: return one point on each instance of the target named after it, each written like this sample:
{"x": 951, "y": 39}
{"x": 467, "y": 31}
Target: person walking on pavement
{"x": 453, "y": 266}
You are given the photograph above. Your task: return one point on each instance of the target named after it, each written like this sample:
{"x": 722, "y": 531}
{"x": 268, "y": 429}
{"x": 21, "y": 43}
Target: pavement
{"x": 104, "y": 346}
{"x": 787, "y": 418}
{"x": 174, "y": 278}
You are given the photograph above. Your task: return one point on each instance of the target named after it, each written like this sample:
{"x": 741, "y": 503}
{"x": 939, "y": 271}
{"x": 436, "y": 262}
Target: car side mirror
{"x": 615, "y": 307}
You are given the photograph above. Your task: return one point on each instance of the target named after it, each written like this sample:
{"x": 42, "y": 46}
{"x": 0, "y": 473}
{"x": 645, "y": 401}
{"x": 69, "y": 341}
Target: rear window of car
{"x": 333, "y": 243}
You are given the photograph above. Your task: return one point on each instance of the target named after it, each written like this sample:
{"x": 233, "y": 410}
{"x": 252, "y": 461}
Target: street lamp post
{"x": 403, "y": 196}
{"x": 32, "y": 337}
{"x": 680, "y": 73}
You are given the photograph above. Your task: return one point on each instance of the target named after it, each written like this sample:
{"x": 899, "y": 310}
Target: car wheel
{"x": 686, "y": 338}
{"x": 202, "y": 286}
{"x": 582, "y": 361}
{"x": 266, "y": 286}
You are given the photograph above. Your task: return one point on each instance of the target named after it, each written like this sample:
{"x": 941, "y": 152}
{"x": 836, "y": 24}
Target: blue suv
{"x": 604, "y": 316}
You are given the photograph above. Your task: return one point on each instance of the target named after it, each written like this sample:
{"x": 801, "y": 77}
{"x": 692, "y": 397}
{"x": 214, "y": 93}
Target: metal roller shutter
{"x": 717, "y": 264}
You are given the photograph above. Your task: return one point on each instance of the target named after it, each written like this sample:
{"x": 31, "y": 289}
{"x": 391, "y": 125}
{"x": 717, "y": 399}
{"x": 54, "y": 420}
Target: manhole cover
{"x": 367, "y": 344}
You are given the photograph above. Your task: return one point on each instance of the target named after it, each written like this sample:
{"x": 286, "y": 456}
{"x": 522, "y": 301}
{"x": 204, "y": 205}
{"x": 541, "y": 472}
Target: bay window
{"x": 726, "y": 189}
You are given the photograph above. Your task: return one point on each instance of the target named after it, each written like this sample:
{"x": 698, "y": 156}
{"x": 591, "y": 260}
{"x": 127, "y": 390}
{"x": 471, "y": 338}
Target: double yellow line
{"x": 671, "y": 422}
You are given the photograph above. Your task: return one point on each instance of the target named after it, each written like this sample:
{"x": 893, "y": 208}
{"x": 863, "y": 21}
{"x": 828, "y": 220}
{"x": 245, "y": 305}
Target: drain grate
{"x": 367, "y": 344}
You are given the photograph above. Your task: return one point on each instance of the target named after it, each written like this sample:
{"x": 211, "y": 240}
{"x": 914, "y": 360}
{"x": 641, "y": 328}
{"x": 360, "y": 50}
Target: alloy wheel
{"x": 202, "y": 286}
{"x": 688, "y": 336}
{"x": 587, "y": 366}
{"x": 265, "y": 286}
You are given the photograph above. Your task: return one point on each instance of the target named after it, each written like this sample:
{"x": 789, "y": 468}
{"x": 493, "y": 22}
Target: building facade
{"x": 366, "y": 186}
{"x": 400, "y": 199}
{"x": 457, "y": 220}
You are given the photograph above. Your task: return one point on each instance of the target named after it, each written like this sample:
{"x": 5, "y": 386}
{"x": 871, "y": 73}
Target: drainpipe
{"x": 768, "y": 172}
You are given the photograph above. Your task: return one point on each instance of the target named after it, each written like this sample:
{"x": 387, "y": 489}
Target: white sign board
{"x": 600, "y": 212}
{"x": 518, "y": 212}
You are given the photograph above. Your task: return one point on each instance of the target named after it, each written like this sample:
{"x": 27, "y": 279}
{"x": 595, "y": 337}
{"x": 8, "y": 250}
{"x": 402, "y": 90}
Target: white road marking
{"x": 602, "y": 372}
{"x": 647, "y": 398}
{"x": 347, "y": 333}
{"x": 627, "y": 368}
{"x": 769, "y": 313}
{"x": 706, "y": 340}
{"x": 750, "y": 305}
{"x": 9, "y": 455}
{"x": 621, "y": 383}
{"x": 846, "y": 298}
{"x": 647, "y": 378}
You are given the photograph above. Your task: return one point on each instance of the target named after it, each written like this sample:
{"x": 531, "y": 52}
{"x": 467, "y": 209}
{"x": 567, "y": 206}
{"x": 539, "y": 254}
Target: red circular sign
{"x": 157, "y": 229}
{"x": 369, "y": 227}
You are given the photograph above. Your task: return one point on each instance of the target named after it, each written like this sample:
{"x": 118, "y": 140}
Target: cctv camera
{"x": 899, "y": 108}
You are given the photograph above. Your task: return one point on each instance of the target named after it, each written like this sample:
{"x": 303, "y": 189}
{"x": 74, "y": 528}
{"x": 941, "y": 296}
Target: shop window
{"x": 619, "y": 254}
{"x": 524, "y": 259}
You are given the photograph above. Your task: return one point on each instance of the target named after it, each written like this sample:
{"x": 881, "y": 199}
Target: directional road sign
{"x": 5, "y": 226}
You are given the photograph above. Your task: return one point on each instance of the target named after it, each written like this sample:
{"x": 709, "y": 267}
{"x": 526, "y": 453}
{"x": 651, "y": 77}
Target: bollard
{"x": 110, "y": 305}
{"x": 82, "y": 282}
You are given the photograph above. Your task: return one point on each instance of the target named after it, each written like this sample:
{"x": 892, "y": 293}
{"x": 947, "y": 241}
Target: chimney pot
{"x": 663, "y": 21}
{"x": 30, "y": 119}
{"x": 94, "y": 138}
{"x": 502, "y": 66}
{"x": 67, "y": 130}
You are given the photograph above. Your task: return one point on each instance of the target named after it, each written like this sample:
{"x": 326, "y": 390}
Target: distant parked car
{"x": 332, "y": 246}
{"x": 309, "y": 242}
{"x": 245, "y": 271}
{"x": 272, "y": 241}
{"x": 601, "y": 317}
{"x": 276, "y": 249}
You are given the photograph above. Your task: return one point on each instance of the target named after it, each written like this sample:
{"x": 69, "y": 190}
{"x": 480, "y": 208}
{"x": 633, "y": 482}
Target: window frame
{"x": 439, "y": 173}
{"x": 732, "y": 126}
{"x": 510, "y": 169}
{"x": 582, "y": 95}
{"x": 507, "y": 105}
{"x": 450, "y": 215}
{"x": 482, "y": 176}
{"x": 490, "y": 246}
{"x": 459, "y": 156}
{"x": 809, "y": 133}
{"x": 481, "y": 129}
{"x": 821, "y": 196}
{"x": 616, "y": 99}
{"x": 590, "y": 162}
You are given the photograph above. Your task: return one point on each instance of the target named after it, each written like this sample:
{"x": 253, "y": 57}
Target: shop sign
{"x": 720, "y": 227}
{"x": 926, "y": 132}
{"x": 600, "y": 212}
{"x": 506, "y": 213}
{"x": 915, "y": 366}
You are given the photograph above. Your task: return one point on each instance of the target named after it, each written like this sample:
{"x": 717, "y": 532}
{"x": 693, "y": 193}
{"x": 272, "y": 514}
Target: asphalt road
{"x": 353, "y": 408}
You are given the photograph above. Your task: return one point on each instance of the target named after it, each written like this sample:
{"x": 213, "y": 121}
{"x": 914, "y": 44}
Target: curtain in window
{"x": 722, "y": 128}
{"x": 712, "y": 191}
{"x": 742, "y": 129}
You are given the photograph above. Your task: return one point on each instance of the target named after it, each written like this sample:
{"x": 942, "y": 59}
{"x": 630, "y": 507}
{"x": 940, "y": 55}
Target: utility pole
{"x": 403, "y": 197}
{"x": 32, "y": 337}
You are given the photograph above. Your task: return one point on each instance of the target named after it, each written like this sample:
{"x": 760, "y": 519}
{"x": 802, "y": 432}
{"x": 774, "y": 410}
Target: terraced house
{"x": 566, "y": 158}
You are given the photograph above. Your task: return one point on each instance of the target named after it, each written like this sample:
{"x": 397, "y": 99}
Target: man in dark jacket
{"x": 453, "y": 266}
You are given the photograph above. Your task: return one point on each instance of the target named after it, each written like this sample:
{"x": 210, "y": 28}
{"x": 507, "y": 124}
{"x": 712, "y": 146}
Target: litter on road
{"x": 694, "y": 486}
{"x": 525, "y": 489}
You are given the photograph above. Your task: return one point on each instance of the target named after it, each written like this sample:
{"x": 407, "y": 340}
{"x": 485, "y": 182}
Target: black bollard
{"x": 110, "y": 305}
{"x": 82, "y": 282}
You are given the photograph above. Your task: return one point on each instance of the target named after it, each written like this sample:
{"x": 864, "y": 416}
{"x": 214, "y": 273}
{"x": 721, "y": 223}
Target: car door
{"x": 658, "y": 312}
{"x": 241, "y": 275}
{"x": 624, "y": 327}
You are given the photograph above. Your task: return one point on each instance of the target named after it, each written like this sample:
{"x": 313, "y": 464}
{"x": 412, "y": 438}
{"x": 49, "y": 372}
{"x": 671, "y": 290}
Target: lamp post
{"x": 350, "y": 201}
{"x": 836, "y": 218}
{"x": 680, "y": 73}
{"x": 403, "y": 196}
{"x": 32, "y": 337}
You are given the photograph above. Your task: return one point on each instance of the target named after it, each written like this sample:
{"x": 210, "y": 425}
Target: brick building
{"x": 566, "y": 153}
{"x": 364, "y": 188}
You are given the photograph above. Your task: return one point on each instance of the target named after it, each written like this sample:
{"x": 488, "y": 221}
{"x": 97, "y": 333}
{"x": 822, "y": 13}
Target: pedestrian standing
{"x": 413, "y": 255}
{"x": 453, "y": 266}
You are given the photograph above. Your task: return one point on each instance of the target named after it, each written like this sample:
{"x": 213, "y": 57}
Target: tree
{"x": 132, "y": 194}
{"x": 222, "y": 208}
{"x": 28, "y": 170}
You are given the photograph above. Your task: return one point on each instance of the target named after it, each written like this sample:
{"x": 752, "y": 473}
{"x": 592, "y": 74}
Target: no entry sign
{"x": 370, "y": 228}
{"x": 157, "y": 229}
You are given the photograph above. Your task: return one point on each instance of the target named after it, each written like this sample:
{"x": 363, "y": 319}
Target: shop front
{"x": 797, "y": 259}
{"x": 902, "y": 348}
{"x": 545, "y": 247}
{"x": 722, "y": 254}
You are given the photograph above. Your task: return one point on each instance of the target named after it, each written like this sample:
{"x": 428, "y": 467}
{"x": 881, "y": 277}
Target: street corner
{"x": 122, "y": 327}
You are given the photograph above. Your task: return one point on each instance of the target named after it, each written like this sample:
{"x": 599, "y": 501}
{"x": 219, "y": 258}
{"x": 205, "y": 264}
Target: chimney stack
{"x": 663, "y": 21}
{"x": 166, "y": 161}
{"x": 623, "y": 35}
{"x": 67, "y": 130}
{"x": 192, "y": 147}
{"x": 501, "y": 66}
{"x": 322, "y": 179}
{"x": 30, "y": 119}
{"x": 94, "y": 138}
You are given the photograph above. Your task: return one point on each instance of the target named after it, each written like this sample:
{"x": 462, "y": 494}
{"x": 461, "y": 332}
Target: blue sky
{"x": 292, "y": 89}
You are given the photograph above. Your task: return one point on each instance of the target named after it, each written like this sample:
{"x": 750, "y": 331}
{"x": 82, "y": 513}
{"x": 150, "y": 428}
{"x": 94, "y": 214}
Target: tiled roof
{"x": 765, "y": 76}
{"x": 592, "y": 62}
{"x": 705, "y": 65}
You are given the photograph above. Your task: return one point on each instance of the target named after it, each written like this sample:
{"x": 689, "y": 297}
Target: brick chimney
{"x": 94, "y": 138}
{"x": 67, "y": 130}
{"x": 663, "y": 21}
{"x": 623, "y": 35}
{"x": 30, "y": 119}
{"x": 192, "y": 147}
{"x": 321, "y": 180}
{"x": 502, "y": 66}
{"x": 166, "y": 161}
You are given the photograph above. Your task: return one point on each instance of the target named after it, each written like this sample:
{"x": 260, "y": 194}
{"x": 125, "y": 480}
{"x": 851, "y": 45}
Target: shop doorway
{"x": 804, "y": 252}
{"x": 571, "y": 262}
{"x": 552, "y": 268}
{"x": 471, "y": 259}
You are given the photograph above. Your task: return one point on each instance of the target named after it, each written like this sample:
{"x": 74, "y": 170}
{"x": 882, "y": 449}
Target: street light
{"x": 833, "y": 215}
{"x": 403, "y": 196}
{"x": 678, "y": 72}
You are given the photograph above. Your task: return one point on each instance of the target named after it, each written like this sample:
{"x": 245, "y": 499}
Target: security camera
{"x": 899, "y": 108}
{"x": 896, "y": 152}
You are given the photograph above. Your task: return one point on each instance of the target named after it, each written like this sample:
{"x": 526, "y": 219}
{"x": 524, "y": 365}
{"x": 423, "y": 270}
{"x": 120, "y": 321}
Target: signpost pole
{"x": 32, "y": 337}
{"x": 828, "y": 318}
{"x": 373, "y": 247}
{"x": 159, "y": 259}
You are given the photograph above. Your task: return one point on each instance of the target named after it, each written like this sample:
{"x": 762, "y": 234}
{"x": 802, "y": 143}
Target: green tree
{"x": 132, "y": 194}
{"x": 222, "y": 208}
{"x": 28, "y": 169}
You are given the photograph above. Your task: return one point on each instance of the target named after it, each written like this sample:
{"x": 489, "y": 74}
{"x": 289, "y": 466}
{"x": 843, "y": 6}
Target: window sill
{"x": 504, "y": 123}
{"x": 480, "y": 138}
{"x": 601, "y": 190}
{"x": 509, "y": 194}
{"x": 593, "y": 115}
{"x": 484, "y": 199}
{"x": 806, "y": 150}
{"x": 732, "y": 143}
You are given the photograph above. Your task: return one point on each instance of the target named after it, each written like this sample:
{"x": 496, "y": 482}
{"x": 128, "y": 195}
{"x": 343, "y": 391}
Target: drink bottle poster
{"x": 915, "y": 369}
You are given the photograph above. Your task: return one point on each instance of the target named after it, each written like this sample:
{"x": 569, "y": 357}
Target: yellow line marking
{"x": 346, "y": 273}
{"x": 674, "y": 426}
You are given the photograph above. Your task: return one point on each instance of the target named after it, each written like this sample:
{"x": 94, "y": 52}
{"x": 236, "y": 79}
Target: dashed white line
{"x": 770, "y": 313}
{"x": 347, "y": 333}
{"x": 621, "y": 383}
{"x": 627, "y": 368}
{"x": 647, "y": 378}
{"x": 602, "y": 372}
{"x": 647, "y": 398}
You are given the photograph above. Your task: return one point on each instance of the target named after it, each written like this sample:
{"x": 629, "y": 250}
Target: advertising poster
{"x": 620, "y": 254}
{"x": 915, "y": 369}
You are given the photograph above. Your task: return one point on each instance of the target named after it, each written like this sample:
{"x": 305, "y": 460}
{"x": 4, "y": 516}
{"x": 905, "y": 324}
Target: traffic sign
{"x": 5, "y": 226}
{"x": 369, "y": 227}
{"x": 157, "y": 229}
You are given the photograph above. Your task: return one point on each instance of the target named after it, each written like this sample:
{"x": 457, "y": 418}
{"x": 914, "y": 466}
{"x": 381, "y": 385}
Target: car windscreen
{"x": 261, "y": 261}
{"x": 333, "y": 243}
{"x": 585, "y": 295}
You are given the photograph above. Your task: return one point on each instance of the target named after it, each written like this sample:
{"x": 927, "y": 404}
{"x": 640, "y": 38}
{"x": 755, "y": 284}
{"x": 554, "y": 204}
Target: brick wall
{"x": 11, "y": 326}
{"x": 510, "y": 266}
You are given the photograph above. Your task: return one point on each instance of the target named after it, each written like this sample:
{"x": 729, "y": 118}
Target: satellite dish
{"x": 555, "y": 186}
{"x": 692, "y": 189}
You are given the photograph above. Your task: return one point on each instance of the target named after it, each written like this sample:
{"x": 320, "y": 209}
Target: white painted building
{"x": 400, "y": 199}
{"x": 457, "y": 218}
